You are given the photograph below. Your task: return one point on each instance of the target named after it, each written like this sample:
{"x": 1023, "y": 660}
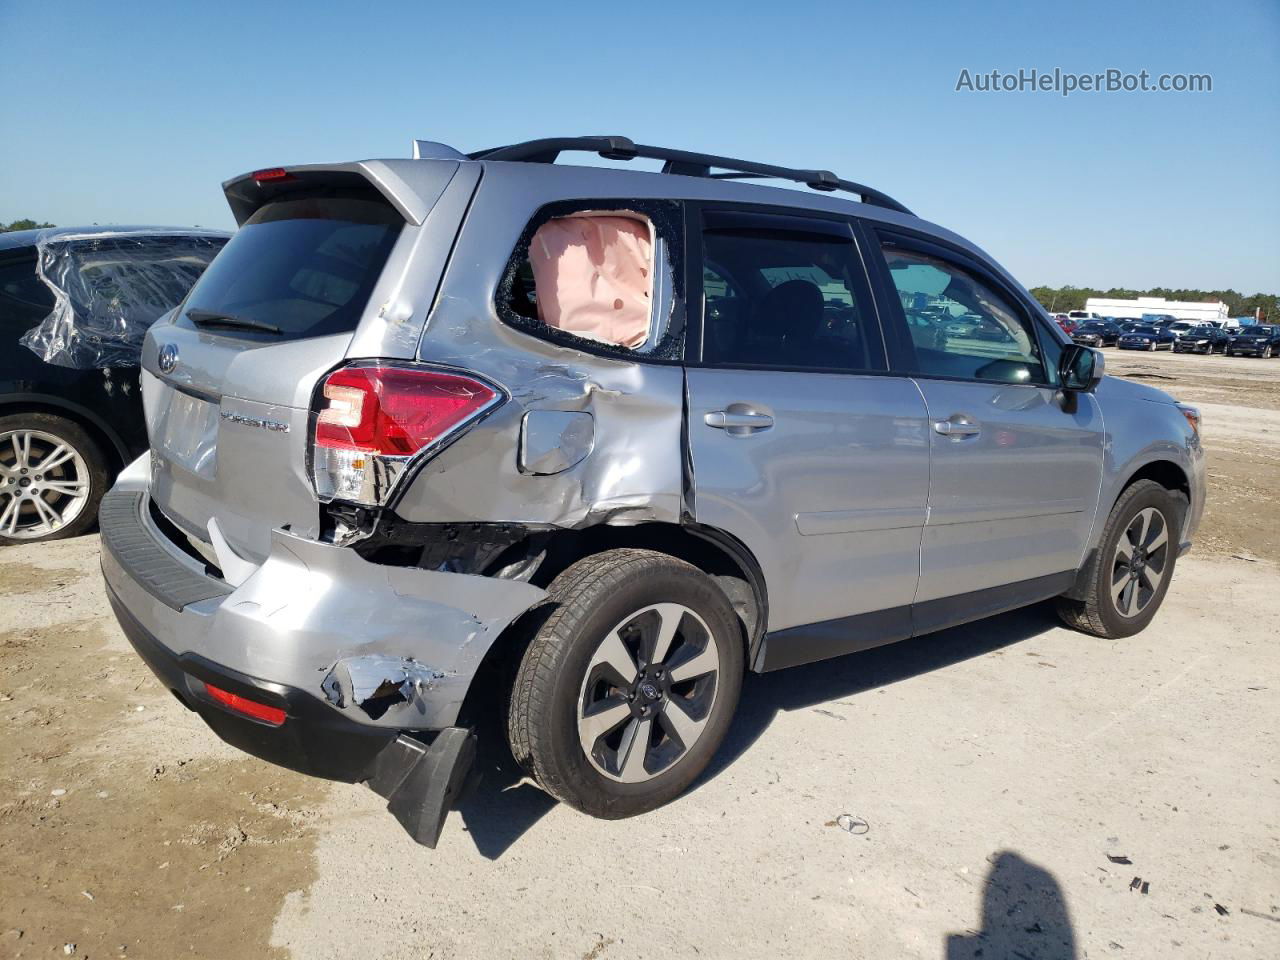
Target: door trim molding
{"x": 812, "y": 642}
{"x": 859, "y": 521}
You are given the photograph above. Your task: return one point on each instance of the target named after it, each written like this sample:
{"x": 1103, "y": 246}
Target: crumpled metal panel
{"x": 379, "y": 682}
{"x": 313, "y": 607}
{"x": 110, "y": 287}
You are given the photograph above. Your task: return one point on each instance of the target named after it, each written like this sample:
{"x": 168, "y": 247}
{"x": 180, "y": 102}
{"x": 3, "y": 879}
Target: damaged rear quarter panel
{"x": 633, "y": 473}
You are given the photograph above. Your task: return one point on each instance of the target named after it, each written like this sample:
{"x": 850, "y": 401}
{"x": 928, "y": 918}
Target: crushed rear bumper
{"x": 370, "y": 664}
{"x": 420, "y": 776}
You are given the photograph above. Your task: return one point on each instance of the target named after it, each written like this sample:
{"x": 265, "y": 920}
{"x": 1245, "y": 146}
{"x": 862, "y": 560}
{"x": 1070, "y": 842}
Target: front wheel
{"x": 52, "y": 476}
{"x": 1266, "y": 352}
{"x": 629, "y": 686}
{"x": 1127, "y": 579}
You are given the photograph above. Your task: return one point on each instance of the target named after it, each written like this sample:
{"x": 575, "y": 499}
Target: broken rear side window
{"x": 600, "y": 275}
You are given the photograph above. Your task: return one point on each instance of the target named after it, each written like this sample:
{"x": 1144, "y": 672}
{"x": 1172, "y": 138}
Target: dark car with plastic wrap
{"x": 75, "y": 305}
{"x": 1204, "y": 338}
{"x": 1256, "y": 341}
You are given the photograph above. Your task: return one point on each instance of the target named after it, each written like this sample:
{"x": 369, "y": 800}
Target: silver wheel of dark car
{"x": 44, "y": 484}
{"x": 1138, "y": 567}
{"x": 648, "y": 692}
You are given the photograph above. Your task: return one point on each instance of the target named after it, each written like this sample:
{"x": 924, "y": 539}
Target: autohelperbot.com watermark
{"x": 1065, "y": 82}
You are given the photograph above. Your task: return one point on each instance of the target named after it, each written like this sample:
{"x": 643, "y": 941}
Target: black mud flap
{"x": 421, "y": 782}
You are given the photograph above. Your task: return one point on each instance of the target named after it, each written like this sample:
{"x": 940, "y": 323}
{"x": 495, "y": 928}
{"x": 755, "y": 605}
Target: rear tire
{"x": 52, "y": 478}
{"x": 1129, "y": 575}
{"x": 604, "y": 718}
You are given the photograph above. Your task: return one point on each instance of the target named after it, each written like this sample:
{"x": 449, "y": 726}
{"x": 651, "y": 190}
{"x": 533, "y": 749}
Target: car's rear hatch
{"x": 329, "y": 263}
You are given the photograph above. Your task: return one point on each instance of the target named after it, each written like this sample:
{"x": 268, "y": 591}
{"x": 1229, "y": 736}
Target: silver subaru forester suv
{"x": 593, "y": 442}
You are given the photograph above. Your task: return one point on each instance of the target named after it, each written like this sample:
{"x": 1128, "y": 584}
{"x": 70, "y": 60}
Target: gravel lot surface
{"x": 1014, "y": 789}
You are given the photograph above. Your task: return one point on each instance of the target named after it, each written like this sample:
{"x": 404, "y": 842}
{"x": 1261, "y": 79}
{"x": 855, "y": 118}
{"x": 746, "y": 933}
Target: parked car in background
{"x": 75, "y": 304}
{"x": 1147, "y": 337}
{"x": 1159, "y": 319}
{"x": 1066, "y": 323}
{"x": 1203, "y": 338}
{"x": 1083, "y": 316}
{"x": 963, "y": 326}
{"x": 1097, "y": 333}
{"x": 456, "y": 405}
{"x": 1258, "y": 340}
{"x": 1180, "y": 327}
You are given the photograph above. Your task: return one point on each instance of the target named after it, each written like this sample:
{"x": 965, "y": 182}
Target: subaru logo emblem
{"x": 168, "y": 358}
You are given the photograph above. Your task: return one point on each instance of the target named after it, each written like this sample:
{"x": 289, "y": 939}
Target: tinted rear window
{"x": 304, "y": 265}
{"x": 25, "y": 299}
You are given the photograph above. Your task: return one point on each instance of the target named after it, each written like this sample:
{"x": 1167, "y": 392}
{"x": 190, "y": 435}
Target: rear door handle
{"x": 958, "y": 426}
{"x": 738, "y": 422}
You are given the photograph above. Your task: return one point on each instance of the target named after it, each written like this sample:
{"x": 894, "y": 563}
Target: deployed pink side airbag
{"x": 593, "y": 273}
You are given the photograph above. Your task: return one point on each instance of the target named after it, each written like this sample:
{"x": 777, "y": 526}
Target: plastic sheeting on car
{"x": 110, "y": 287}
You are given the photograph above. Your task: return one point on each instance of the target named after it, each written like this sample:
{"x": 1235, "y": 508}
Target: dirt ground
{"x": 1015, "y": 789}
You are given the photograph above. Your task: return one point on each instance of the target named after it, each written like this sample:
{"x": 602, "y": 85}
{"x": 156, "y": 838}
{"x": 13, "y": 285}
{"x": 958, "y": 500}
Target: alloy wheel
{"x": 44, "y": 484}
{"x": 648, "y": 692}
{"x": 1140, "y": 561}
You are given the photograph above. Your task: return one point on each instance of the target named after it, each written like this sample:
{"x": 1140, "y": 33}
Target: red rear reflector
{"x": 396, "y": 411}
{"x": 249, "y": 708}
{"x": 274, "y": 173}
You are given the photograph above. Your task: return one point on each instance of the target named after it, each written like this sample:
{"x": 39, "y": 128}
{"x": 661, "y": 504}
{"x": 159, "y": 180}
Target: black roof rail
{"x": 685, "y": 163}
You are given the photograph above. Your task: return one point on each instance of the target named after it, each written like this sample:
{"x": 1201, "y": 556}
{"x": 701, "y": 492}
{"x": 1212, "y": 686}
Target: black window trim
{"x": 699, "y": 215}
{"x": 903, "y": 358}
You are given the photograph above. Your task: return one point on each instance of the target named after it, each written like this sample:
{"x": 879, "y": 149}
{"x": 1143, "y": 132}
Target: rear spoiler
{"x": 411, "y": 186}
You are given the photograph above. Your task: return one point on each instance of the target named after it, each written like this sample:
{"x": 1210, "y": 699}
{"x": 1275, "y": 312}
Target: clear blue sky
{"x": 135, "y": 112}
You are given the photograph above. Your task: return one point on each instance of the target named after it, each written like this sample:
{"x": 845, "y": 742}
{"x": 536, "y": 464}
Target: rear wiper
{"x": 212, "y": 318}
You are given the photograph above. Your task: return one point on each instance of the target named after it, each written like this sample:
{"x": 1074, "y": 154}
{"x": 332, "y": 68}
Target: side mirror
{"x": 1081, "y": 369}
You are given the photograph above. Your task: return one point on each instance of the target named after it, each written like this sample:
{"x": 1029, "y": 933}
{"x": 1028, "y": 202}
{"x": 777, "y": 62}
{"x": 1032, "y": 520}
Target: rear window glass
{"x": 305, "y": 266}
{"x": 25, "y": 299}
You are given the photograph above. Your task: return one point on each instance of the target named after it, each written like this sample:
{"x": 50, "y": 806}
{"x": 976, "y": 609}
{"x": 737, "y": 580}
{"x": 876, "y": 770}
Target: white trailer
{"x": 1214, "y": 311}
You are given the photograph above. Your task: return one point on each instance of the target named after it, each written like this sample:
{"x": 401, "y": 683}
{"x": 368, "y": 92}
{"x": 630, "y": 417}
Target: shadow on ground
{"x": 1024, "y": 915}
{"x": 499, "y": 808}
{"x": 799, "y": 688}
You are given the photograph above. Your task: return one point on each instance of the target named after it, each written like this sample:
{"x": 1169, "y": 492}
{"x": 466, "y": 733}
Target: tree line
{"x": 1062, "y": 299}
{"x": 23, "y": 225}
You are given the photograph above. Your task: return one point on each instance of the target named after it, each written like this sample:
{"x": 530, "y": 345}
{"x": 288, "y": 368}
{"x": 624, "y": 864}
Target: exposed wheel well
{"x": 105, "y": 442}
{"x": 1164, "y": 472}
{"x": 722, "y": 557}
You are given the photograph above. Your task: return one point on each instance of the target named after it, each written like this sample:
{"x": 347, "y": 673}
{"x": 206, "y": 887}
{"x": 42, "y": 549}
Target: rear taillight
{"x": 374, "y": 421}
